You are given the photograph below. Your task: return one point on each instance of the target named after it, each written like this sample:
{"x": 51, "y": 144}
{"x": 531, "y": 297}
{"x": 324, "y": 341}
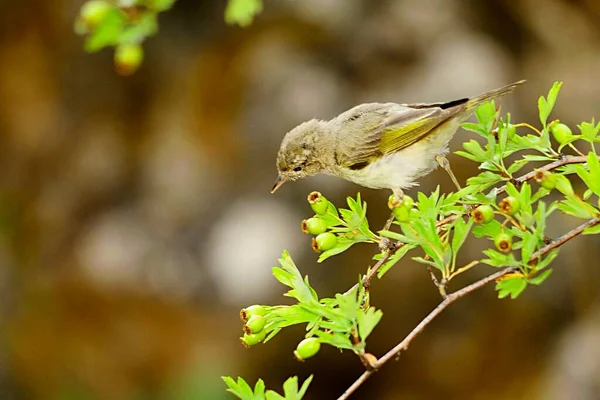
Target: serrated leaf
{"x": 512, "y": 286}
{"x": 340, "y": 248}
{"x": 367, "y": 321}
{"x": 540, "y": 278}
{"x": 401, "y": 252}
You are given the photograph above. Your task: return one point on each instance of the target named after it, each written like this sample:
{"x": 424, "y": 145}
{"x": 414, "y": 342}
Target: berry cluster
{"x": 317, "y": 226}
{"x": 255, "y": 321}
{"x": 122, "y": 24}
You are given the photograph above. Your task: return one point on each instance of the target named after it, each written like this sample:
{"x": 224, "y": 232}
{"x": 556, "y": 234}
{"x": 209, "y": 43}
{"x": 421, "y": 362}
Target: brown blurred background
{"x": 136, "y": 219}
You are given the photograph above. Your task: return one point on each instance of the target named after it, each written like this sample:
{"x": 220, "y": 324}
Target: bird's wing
{"x": 377, "y": 131}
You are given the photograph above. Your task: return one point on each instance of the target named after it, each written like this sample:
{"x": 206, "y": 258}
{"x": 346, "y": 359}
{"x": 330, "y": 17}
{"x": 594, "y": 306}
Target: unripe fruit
{"x": 561, "y": 132}
{"x": 255, "y": 324}
{"x": 324, "y": 241}
{"x": 93, "y": 12}
{"x": 128, "y": 58}
{"x": 401, "y": 213}
{"x": 393, "y": 202}
{"x": 249, "y": 312}
{"x": 307, "y": 348}
{"x": 407, "y": 202}
{"x": 253, "y": 338}
{"x": 546, "y": 179}
{"x": 315, "y": 226}
{"x": 483, "y": 214}
{"x": 503, "y": 242}
{"x": 318, "y": 203}
{"x": 509, "y": 205}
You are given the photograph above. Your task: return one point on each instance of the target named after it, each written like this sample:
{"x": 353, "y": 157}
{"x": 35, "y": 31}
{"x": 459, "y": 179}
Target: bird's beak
{"x": 280, "y": 181}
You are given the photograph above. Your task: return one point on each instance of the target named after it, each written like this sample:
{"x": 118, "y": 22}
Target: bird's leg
{"x": 444, "y": 163}
{"x": 398, "y": 194}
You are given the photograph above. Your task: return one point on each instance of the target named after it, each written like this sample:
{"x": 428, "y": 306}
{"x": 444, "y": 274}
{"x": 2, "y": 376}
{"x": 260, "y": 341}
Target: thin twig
{"x": 452, "y": 297}
{"x": 403, "y": 345}
{"x": 548, "y": 167}
{"x": 559, "y": 241}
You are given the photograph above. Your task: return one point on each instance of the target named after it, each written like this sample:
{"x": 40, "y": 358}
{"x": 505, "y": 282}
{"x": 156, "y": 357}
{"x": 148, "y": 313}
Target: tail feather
{"x": 476, "y": 101}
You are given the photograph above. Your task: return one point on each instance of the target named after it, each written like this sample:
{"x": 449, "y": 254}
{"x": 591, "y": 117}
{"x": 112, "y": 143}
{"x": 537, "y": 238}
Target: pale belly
{"x": 400, "y": 170}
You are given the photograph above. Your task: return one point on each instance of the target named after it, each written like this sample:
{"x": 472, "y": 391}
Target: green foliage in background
{"x": 125, "y": 24}
{"x": 501, "y": 205}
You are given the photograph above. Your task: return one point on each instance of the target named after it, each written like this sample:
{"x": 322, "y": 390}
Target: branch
{"x": 451, "y": 298}
{"x": 548, "y": 167}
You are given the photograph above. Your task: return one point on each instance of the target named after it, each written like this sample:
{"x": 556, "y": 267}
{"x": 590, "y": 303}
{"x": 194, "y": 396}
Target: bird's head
{"x": 299, "y": 153}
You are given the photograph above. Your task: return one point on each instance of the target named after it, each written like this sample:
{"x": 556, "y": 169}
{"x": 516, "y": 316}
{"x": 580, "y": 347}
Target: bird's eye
{"x": 298, "y": 168}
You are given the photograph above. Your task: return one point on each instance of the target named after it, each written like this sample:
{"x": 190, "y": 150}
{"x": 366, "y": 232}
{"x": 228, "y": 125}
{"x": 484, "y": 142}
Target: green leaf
{"x": 591, "y": 178}
{"x": 592, "y": 230}
{"x": 497, "y": 259}
{"x": 589, "y": 130}
{"x": 242, "y": 12}
{"x": 272, "y": 395}
{"x": 367, "y": 321}
{"x": 539, "y": 279}
{"x": 146, "y": 25}
{"x": 545, "y": 105}
{"x": 340, "y": 248}
{"x": 563, "y": 185}
{"x": 512, "y": 286}
{"x": 401, "y": 252}
{"x": 108, "y": 32}
{"x": 304, "y": 387}
{"x": 259, "y": 389}
{"x": 486, "y": 113}
{"x": 240, "y": 388}
{"x": 575, "y": 207}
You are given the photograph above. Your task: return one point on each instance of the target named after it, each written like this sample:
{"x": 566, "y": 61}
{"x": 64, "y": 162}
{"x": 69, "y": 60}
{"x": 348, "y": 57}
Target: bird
{"x": 378, "y": 145}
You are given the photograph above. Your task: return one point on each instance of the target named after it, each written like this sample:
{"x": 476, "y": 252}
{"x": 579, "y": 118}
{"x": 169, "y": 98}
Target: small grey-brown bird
{"x": 378, "y": 145}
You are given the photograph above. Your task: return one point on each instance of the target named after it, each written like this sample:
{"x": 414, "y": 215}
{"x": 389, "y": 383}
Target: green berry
{"x": 249, "y": 312}
{"x": 93, "y": 12}
{"x": 393, "y": 202}
{"x": 307, "y": 348}
{"x": 316, "y": 226}
{"x": 255, "y": 324}
{"x": 407, "y": 202}
{"x": 546, "y": 179}
{"x": 128, "y": 58}
{"x": 509, "y": 205}
{"x": 503, "y": 242}
{"x": 561, "y": 132}
{"x": 318, "y": 203}
{"x": 401, "y": 213}
{"x": 251, "y": 339}
{"x": 325, "y": 241}
{"x": 483, "y": 214}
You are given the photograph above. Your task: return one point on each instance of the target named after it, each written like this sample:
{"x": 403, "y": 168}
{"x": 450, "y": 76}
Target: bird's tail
{"x": 476, "y": 101}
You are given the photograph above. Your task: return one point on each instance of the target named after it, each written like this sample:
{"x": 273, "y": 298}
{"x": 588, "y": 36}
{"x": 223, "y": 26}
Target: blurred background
{"x": 136, "y": 218}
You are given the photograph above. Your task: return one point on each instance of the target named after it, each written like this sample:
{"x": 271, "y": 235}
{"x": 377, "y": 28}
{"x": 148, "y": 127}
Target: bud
{"x": 324, "y": 241}
{"x": 561, "y": 132}
{"x": 393, "y": 202}
{"x": 253, "y": 338}
{"x": 503, "y": 242}
{"x": 249, "y": 312}
{"x": 546, "y": 179}
{"x": 255, "y": 324}
{"x": 93, "y": 12}
{"x": 401, "y": 213}
{"x": 509, "y": 205}
{"x": 128, "y": 58}
{"x": 315, "y": 226}
{"x": 483, "y": 214}
{"x": 307, "y": 348}
{"x": 318, "y": 203}
{"x": 407, "y": 202}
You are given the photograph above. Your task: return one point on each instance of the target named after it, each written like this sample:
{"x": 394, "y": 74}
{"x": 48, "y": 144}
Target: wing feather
{"x": 380, "y": 129}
